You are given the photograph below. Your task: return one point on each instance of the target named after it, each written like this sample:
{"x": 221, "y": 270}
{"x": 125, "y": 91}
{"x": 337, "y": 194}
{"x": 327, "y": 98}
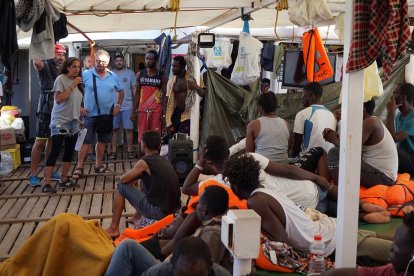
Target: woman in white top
{"x": 64, "y": 123}
{"x": 268, "y": 135}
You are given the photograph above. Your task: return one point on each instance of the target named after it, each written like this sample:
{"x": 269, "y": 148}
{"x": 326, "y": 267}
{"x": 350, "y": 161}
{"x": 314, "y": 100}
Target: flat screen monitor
{"x": 294, "y": 72}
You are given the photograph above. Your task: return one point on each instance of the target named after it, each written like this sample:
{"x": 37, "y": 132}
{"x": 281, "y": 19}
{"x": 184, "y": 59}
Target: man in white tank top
{"x": 379, "y": 163}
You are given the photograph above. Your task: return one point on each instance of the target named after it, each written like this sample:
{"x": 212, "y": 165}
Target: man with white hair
{"x": 100, "y": 86}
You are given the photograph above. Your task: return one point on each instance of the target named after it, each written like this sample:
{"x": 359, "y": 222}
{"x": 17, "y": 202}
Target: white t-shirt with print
{"x": 311, "y": 122}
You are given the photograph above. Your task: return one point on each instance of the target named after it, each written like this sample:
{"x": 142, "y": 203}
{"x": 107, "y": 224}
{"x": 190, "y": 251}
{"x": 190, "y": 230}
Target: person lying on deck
{"x": 379, "y": 158}
{"x": 301, "y": 186}
{"x": 401, "y": 255}
{"x": 161, "y": 195}
{"x": 131, "y": 258}
{"x": 283, "y": 221}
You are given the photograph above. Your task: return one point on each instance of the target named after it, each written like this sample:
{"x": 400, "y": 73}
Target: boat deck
{"x": 24, "y": 209}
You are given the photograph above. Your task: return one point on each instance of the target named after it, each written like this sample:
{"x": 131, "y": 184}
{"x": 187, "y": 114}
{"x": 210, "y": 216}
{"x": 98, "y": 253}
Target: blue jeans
{"x": 130, "y": 258}
{"x": 323, "y": 200}
{"x": 139, "y": 201}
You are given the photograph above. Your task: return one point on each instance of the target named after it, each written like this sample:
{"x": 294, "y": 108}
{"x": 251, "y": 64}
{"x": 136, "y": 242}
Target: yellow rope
{"x": 281, "y": 5}
{"x": 175, "y": 6}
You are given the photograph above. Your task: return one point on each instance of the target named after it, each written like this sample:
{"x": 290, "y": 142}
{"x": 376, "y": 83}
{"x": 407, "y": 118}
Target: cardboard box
{"x": 7, "y": 138}
{"x": 15, "y": 153}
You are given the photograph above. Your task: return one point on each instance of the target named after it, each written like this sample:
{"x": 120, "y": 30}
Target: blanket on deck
{"x": 66, "y": 245}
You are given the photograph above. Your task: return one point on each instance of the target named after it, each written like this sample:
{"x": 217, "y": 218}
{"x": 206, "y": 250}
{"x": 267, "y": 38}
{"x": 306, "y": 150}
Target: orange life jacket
{"x": 391, "y": 197}
{"x": 314, "y": 52}
{"x": 145, "y": 233}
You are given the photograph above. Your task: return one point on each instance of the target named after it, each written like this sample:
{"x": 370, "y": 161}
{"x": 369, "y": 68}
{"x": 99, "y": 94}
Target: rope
{"x": 327, "y": 34}
{"x": 175, "y": 6}
{"x": 281, "y": 5}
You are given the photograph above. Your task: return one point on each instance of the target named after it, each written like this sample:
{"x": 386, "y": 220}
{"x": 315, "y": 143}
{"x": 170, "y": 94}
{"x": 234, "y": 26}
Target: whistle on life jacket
{"x": 314, "y": 53}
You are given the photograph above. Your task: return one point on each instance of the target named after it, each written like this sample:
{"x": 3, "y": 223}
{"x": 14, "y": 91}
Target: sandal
{"x": 102, "y": 169}
{"x": 112, "y": 156}
{"x": 77, "y": 173}
{"x": 131, "y": 155}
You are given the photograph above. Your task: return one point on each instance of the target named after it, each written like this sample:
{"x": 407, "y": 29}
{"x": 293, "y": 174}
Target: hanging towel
{"x": 164, "y": 54}
{"x": 59, "y": 28}
{"x": 43, "y": 39}
{"x": 381, "y": 27}
{"x": 278, "y": 58}
{"x": 268, "y": 54}
{"x": 8, "y": 36}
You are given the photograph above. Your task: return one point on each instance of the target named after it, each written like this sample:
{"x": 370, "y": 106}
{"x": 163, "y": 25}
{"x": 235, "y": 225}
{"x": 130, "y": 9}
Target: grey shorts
{"x": 90, "y": 125}
{"x": 370, "y": 176}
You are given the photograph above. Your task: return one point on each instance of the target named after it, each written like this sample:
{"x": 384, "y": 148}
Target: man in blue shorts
{"x": 107, "y": 83}
{"x": 128, "y": 82}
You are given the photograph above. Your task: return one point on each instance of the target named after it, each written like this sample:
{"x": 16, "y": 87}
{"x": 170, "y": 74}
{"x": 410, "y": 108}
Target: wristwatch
{"x": 117, "y": 105}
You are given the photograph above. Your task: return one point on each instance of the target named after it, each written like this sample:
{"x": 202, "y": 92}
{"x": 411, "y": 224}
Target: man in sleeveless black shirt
{"x": 161, "y": 190}
{"x": 47, "y": 72}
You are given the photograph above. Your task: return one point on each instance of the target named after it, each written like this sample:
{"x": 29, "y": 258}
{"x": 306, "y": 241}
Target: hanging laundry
{"x": 381, "y": 29}
{"x": 268, "y": 54}
{"x": 309, "y": 12}
{"x": 247, "y": 67}
{"x": 277, "y": 62}
{"x": 234, "y": 53}
{"x": 220, "y": 55}
{"x": 164, "y": 54}
{"x": 28, "y": 12}
{"x": 8, "y": 36}
{"x": 43, "y": 38}
{"x": 59, "y": 28}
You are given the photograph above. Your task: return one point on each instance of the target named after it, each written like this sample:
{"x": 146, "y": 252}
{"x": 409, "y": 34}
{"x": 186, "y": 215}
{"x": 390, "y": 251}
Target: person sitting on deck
{"x": 401, "y": 125}
{"x": 269, "y": 134}
{"x": 212, "y": 205}
{"x": 379, "y": 163}
{"x": 310, "y": 122}
{"x": 401, "y": 255}
{"x": 161, "y": 195}
{"x": 284, "y": 221}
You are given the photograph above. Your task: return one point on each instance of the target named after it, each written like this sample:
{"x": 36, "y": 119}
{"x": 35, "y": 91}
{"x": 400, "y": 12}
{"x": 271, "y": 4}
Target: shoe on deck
{"x": 68, "y": 183}
{"x": 55, "y": 176}
{"x": 34, "y": 181}
{"x": 47, "y": 189}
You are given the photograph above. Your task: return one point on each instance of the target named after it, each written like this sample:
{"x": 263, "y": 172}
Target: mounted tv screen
{"x": 294, "y": 72}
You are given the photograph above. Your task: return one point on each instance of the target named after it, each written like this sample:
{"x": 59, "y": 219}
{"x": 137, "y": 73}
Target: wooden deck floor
{"x": 24, "y": 209}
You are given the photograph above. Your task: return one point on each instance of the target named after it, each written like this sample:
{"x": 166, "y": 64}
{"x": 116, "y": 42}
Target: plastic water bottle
{"x": 316, "y": 258}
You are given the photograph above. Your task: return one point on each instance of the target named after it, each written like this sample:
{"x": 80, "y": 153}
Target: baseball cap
{"x": 59, "y": 48}
{"x": 119, "y": 55}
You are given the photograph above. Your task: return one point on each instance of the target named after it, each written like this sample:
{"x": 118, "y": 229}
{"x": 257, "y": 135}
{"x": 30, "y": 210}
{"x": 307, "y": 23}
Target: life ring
{"x": 314, "y": 52}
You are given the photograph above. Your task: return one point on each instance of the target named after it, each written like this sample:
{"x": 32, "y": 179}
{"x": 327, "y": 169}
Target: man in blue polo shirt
{"x": 401, "y": 125}
{"x": 107, "y": 83}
